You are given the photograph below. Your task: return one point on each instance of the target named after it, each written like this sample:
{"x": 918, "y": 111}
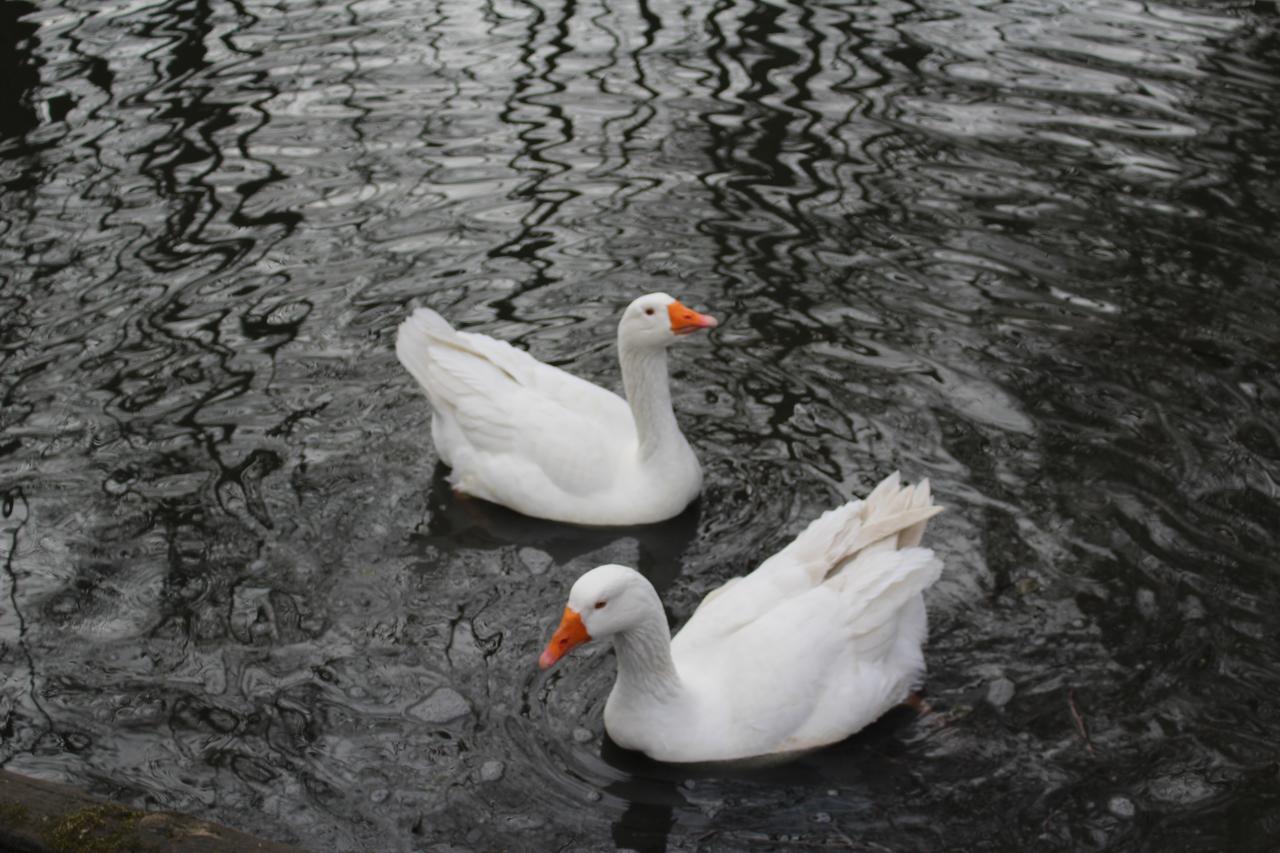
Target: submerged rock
{"x": 1184, "y": 788}
{"x": 443, "y": 705}
{"x": 1000, "y": 691}
{"x": 534, "y": 560}
{"x": 1121, "y": 806}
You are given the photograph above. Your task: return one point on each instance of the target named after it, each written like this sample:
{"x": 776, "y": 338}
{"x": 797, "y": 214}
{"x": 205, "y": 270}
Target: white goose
{"x": 816, "y": 643}
{"x": 545, "y": 443}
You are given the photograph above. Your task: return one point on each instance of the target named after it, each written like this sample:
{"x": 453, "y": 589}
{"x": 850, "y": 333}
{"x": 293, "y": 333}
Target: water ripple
{"x": 1023, "y": 248}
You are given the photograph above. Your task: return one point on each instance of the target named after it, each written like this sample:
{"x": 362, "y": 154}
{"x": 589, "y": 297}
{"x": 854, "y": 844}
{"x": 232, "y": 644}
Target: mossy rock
{"x": 107, "y": 828}
{"x": 14, "y": 814}
{"x": 48, "y": 817}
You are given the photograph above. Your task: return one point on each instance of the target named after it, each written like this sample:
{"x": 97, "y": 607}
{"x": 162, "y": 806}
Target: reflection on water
{"x": 1025, "y": 249}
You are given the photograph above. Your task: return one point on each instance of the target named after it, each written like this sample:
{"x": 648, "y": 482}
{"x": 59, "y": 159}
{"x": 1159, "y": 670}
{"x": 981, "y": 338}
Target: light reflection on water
{"x": 1024, "y": 249}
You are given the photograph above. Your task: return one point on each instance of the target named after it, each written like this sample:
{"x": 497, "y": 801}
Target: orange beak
{"x": 686, "y": 320}
{"x": 569, "y": 635}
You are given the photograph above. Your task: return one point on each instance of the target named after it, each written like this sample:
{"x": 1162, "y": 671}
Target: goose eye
{"x": 600, "y": 604}
{"x": 649, "y": 311}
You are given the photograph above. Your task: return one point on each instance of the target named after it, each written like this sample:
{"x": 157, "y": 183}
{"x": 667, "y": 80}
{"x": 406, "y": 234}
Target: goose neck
{"x": 645, "y": 666}
{"x": 644, "y": 376}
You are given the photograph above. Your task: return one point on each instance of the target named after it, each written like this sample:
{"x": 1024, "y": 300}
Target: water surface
{"x": 1025, "y": 249}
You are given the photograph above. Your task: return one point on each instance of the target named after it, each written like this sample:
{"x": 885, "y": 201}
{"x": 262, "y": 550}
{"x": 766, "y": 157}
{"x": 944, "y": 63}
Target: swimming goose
{"x": 816, "y": 643}
{"x": 545, "y": 443}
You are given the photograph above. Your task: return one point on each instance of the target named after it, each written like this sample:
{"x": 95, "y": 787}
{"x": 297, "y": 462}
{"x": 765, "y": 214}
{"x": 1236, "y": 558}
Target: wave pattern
{"x": 1024, "y": 248}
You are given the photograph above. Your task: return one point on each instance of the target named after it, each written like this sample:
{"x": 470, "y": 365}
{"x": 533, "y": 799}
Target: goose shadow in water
{"x": 870, "y": 761}
{"x": 457, "y": 521}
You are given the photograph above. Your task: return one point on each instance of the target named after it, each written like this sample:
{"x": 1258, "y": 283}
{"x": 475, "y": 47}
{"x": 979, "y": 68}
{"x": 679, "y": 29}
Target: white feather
{"x": 819, "y": 641}
{"x": 544, "y": 442}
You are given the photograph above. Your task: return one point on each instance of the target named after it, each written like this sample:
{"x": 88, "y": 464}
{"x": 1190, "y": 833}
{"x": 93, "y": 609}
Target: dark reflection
{"x": 649, "y": 816}
{"x": 15, "y": 512}
{"x": 656, "y": 793}
{"x": 459, "y": 521}
{"x": 761, "y": 151}
{"x": 18, "y": 72}
{"x": 546, "y": 126}
{"x": 197, "y": 111}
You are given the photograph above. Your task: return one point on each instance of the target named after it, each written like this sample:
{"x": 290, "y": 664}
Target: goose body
{"x": 548, "y": 444}
{"x": 816, "y": 643}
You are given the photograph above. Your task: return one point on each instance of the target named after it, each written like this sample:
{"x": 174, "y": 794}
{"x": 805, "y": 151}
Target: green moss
{"x": 14, "y": 814}
{"x": 107, "y": 828}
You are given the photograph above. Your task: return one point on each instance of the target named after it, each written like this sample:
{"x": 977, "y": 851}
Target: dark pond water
{"x": 1026, "y": 249}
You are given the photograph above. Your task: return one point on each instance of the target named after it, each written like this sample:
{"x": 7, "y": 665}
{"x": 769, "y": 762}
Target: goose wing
{"x": 824, "y": 663}
{"x": 891, "y": 517}
{"x": 498, "y": 401}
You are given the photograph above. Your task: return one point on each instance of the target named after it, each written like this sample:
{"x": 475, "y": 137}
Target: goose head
{"x": 605, "y": 601}
{"x": 657, "y": 319}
